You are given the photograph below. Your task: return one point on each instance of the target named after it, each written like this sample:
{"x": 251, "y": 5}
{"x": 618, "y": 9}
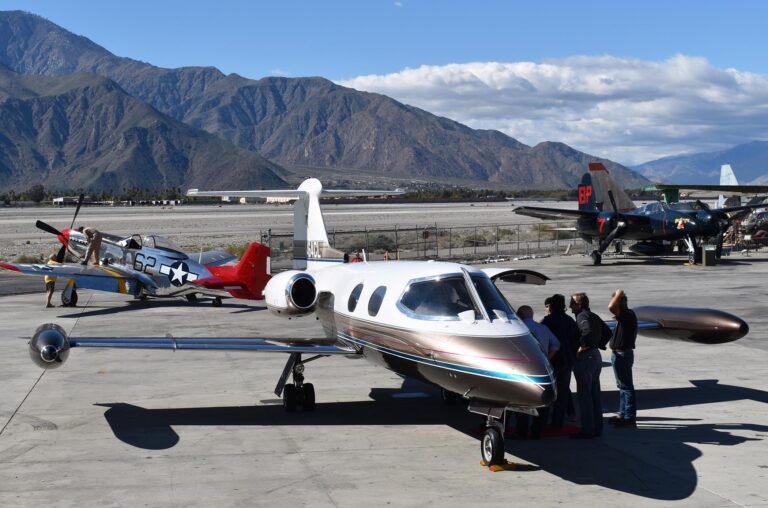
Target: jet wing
{"x": 102, "y": 278}
{"x": 317, "y": 346}
{"x": 553, "y": 213}
{"x": 212, "y": 257}
{"x": 723, "y": 189}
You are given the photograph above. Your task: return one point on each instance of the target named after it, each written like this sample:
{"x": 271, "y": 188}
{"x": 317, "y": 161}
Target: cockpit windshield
{"x": 160, "y": 242}
{"x": 444, "y": 298}
{"x": 437, "y": 299}
{"x": 491, "y": 297}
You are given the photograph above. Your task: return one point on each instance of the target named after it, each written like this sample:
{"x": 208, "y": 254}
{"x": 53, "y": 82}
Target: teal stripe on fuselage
{"x": 538, "y": 380}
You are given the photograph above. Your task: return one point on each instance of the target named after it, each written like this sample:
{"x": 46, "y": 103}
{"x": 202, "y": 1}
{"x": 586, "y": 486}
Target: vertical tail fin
{"x": 247, "y": 278}
{"x": 602, "y": 184}
{"x": 727, "y": 177}
{"x": 310, "y": 239}
{"x": 252, "y": 272}
{"x": 586, "y": 194}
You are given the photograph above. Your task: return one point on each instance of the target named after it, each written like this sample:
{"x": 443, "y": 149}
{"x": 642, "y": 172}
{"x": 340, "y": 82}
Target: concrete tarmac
{"x": 157, "y": 428}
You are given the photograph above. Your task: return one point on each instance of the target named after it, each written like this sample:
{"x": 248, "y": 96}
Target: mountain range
{"x": 306, "y": 125}
{"x": 749, "y": 162}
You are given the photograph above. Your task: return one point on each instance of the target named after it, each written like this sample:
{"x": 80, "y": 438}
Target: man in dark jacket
{"x": 622, "y": 345}
{"x": 566, "y": 331}
{"x": 587, "y": 367}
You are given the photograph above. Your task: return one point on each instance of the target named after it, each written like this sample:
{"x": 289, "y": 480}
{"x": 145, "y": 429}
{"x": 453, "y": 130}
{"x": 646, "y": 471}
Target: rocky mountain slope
{"x": 304, "y": 121}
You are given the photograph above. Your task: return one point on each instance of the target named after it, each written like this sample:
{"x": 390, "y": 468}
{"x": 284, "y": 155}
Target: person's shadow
{"x": 653, "y": 461}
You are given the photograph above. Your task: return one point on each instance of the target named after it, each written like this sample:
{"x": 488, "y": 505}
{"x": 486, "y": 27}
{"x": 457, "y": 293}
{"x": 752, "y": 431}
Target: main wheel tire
{"x": 71, "y": 301}
{"x": 309, "y": 397}
{"x": 596, "y": 257}
{"x": 216, "y": 302}
{"x": 492, "y": 447}
{"x": 192, "y": 298}
{"x": 290, "y": 398}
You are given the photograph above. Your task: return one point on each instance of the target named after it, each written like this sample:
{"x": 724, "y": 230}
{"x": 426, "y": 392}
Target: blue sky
{"x": 602, "y": 76}
{"x": 344, "y": 39}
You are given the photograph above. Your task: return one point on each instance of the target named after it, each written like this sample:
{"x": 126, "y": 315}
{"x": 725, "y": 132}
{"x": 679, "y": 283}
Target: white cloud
{"x": 625, "y": 109}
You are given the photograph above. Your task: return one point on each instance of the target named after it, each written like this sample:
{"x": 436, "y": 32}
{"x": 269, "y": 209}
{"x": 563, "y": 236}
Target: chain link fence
{"x": 465, "y": 243}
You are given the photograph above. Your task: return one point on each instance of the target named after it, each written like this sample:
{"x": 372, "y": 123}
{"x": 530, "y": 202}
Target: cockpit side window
{"x": 439, "y": 299}
{"x": 377, "y": 297}
{"x": 354, "y": 296}
{"x": 491, "y": 297}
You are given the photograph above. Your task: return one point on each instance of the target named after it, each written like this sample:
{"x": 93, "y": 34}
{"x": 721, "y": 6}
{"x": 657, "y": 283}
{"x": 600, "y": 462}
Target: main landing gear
{"x": 297, "y": 393}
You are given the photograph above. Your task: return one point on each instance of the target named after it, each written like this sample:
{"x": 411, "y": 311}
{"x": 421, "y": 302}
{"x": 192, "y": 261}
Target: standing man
{"x": 566, "y": 331}
{"x": 587, "y": 367}
{"x": 549, "y": 345}
{"x": 623, "y": 356}
{"x": 94, "y": 244}
{"x": 50, "y": 282}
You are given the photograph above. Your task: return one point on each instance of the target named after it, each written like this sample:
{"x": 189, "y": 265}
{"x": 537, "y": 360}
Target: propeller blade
{"x": 61, "y": 254}
{"x": 77, "y": 210}
{"x": 703, "y": 205}
{"x": 613, "y": 202}
{"x": 47, "y": 228}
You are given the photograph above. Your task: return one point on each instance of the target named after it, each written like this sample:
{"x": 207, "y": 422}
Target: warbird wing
{"x": 101, "y": 278}
{"x": 545, "y": 213}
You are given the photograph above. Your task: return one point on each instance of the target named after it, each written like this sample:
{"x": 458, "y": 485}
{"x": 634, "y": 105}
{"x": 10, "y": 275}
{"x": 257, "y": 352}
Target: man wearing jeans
{"x": 587, "y": 367}
{"x": 623, "y": 344}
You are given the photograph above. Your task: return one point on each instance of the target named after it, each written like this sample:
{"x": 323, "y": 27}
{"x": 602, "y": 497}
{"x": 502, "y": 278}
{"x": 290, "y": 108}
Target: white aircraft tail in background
{"x": 311, "y": 248}
{"x": 727, "y": 177}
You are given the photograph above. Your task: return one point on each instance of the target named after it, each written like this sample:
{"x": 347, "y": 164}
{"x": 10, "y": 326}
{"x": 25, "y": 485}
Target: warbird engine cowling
{"x": 291, "y": 293}
{"x": 49, "y": 346}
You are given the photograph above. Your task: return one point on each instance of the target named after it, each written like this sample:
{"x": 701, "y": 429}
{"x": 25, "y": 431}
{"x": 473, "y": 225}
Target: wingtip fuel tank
{"x": 49, "y": 346}
{"x": 706, "y": 326}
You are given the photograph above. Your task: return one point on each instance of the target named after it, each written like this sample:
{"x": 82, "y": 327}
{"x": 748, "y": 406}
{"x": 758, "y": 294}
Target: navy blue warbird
{"x": 606, "y": 213}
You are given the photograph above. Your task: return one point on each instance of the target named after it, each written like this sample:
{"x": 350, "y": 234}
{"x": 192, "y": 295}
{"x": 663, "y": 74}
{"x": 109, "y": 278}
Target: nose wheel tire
{"x": 596, "y": 257}
{"x": 191, "y": 298}
{"x": 492, "y": 447}
{"x": 217, "y": 302}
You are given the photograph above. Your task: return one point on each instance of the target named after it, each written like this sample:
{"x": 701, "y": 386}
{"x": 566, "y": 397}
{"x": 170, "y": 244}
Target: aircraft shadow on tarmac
{"x": 655, "y": 461}
{"x": 236, "y": 308}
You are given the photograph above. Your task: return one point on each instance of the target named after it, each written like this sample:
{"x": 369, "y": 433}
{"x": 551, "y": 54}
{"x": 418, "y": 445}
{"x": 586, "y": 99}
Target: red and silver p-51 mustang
{"x": 444, "y": 323}
{"x": 152, "y": 266}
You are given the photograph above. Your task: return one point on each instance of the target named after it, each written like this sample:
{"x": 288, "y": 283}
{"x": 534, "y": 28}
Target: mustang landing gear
{"x": 69, "y": 296}
{"x": 297, "y": 393}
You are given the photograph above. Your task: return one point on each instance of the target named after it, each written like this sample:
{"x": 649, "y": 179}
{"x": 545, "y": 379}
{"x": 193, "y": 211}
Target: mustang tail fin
{"x": 247, "y": 278}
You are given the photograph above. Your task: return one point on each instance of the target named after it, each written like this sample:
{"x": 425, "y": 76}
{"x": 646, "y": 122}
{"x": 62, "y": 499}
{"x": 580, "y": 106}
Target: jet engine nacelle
{"x": 49, "y": 346}
{"x": 291, "y": 293}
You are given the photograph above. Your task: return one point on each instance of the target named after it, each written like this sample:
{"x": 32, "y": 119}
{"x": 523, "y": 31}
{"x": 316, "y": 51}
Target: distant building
{"x": 65, "y": 201}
